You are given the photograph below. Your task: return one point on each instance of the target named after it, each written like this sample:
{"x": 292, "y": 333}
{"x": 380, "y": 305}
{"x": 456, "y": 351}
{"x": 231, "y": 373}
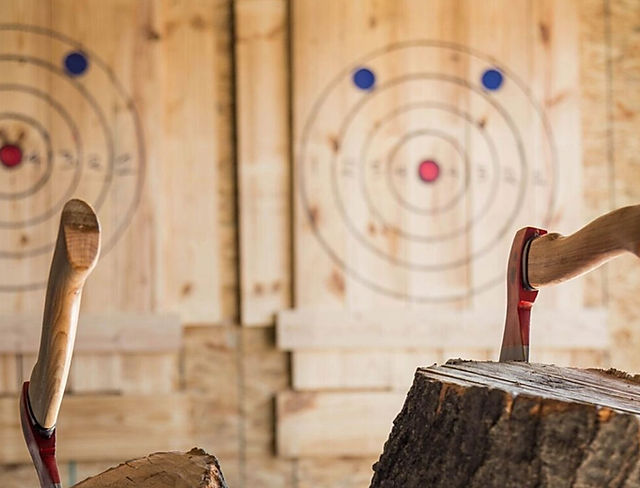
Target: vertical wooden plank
{"x": 94, "y": 373}
{"x": 265, "y": 373}
{"x": 623, "y": 70}
{"x": 188, "y": 204}
{"x": 210, "y": 372}
{"x": 334, "y": 472}
{"x": 263, "y": 158}
{"x": 9, "y": 374}
{"x": 597, "y": 189}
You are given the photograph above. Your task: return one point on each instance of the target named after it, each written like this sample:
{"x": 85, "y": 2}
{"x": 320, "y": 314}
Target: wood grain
{"x": 314, "y": 328}
{"x": 110, "y": 333}
{"x": 126, "y": 426}
{"x": 264, "y": 191}
{"x": 554, "y": 258}
{"x": 309, "y": 424}
{"x": 514, "y": 424}
{"x": 193, "y": 469}
{"x": 76, "y": 253}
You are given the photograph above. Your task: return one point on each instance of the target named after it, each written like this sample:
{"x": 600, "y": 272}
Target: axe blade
{"x": 40, "y": 442}
{"x": 520, "y": 298}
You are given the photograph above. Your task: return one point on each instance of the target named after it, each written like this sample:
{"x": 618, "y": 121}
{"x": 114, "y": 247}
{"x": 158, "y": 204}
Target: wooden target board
{"x": 423, "y": 144}
{"x": 68, "y": 129}
{"x": 110, "y": 102}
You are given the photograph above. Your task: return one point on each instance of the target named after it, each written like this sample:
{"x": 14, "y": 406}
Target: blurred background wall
{"x": 342, "y": 176}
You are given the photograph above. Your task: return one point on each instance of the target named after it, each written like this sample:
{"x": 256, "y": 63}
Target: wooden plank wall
{"x": 175, "y": 262}
{"x": 224, "y": 383}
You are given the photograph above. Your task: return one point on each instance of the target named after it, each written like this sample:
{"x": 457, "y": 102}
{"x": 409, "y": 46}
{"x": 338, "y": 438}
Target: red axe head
{"x": 520, "y": 298}
{"x": 41, "y": 443}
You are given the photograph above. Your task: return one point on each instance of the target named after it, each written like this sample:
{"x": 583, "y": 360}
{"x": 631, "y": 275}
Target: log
{"x": 486, "y": 424}
{"x": 194, "y": 469}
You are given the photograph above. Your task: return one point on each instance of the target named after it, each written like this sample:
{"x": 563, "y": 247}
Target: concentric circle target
{"x": 68, "y": 129}
{"x": 419, "y": 162}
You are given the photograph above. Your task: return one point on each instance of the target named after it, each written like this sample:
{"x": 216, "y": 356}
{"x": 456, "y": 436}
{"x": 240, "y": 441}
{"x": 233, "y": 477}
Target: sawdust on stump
{"x": 514, "y": 425}
{"x": 194, "y": 469}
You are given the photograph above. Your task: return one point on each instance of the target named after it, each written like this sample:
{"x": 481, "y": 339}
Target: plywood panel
{"x": 140, "y": 127}
{"x": 190, "y": 238}
{"x": 263, "y": 158}
{"x": 308, "y": 424}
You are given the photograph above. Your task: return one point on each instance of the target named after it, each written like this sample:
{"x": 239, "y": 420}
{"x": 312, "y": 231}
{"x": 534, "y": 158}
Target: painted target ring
{"x": 68, "y": 129}
{"x": 420, "y": 161}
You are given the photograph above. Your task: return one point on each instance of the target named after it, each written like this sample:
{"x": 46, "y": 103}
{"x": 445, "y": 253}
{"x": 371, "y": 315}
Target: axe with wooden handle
{"x": 75, "y": 255}
{"x": 539, "y": 259}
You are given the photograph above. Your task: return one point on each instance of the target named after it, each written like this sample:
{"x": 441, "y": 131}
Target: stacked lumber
{"x": 485, "y": 424}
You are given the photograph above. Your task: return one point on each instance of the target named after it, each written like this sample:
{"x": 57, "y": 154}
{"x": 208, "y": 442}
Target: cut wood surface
{"x": 485, "y": 424}
{"x": 194, "y": 469}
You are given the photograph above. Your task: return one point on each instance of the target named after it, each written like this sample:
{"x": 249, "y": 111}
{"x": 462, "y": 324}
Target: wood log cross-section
{"x": 194, "y": 469}
{"x": 508, "y": 425}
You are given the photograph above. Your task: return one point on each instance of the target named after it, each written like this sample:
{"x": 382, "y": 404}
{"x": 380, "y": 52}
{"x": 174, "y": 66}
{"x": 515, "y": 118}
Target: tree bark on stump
{"x": 520, "y": 425}
{"x": 194, "y": 469}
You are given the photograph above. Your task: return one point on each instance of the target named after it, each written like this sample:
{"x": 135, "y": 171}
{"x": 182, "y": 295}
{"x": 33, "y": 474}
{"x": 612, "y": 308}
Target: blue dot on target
{"x": 364, "y": 79}
{"x": 75, "y": 63}
{"x": 492, "y": 79}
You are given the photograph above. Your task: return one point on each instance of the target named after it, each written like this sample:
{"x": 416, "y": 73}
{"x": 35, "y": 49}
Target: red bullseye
{"x": 10, "y": 155}
{"x": 428, "y": 170}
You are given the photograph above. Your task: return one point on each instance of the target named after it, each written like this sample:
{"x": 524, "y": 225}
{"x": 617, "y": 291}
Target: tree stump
{"x": 194, "y": 469}
{"x": 485, "y": 424}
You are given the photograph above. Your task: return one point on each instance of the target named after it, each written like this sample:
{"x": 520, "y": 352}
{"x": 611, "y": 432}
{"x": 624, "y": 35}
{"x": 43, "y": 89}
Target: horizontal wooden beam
{"x": 119, "y": 427}
{"x": 301, "y": 329}
{"x": 371, "y": 369}
{"x": 380, "y": 369}
{"x": 333, "y": 424}
{"x": 106, "y": 333}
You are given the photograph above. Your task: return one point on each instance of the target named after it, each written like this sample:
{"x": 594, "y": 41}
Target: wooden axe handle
{"x": 76, "y": 253}
{"x": 554, "y": 258}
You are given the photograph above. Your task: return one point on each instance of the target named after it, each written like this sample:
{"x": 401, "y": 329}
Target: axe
{"x": 75, "y": 254}
{"x": 538, "y": 259}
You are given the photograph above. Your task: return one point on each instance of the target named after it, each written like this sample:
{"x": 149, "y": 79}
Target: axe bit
{"x": 74, "y": 257}
{"x": 538, "y": 259}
